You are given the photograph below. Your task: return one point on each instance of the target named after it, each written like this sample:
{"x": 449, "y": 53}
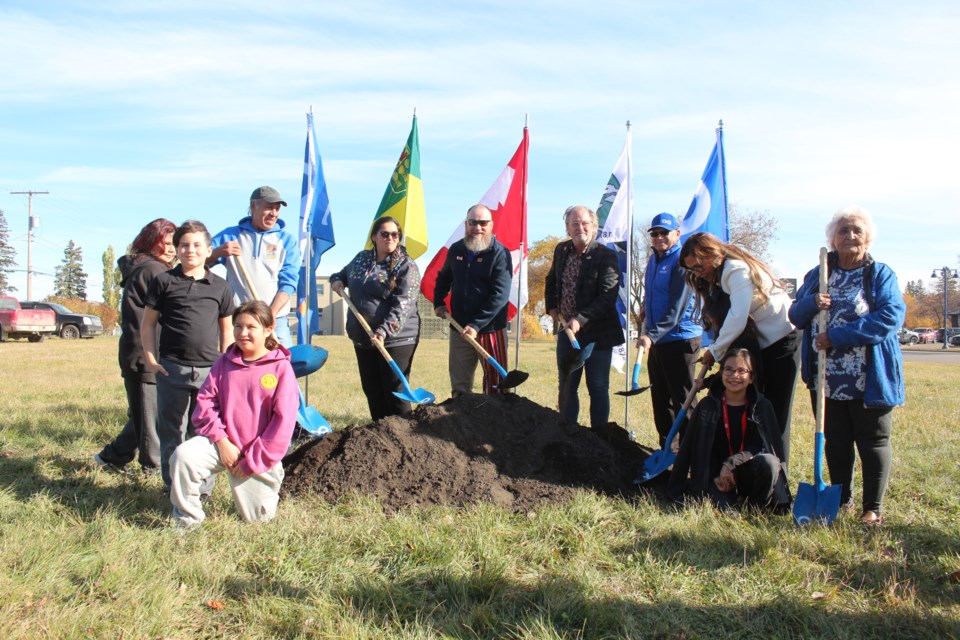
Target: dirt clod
{"x": 505, "y": 449}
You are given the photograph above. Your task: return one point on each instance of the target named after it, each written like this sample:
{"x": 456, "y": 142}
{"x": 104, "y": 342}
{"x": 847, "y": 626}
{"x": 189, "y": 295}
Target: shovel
{"x": 306, "y": 359}
{"x": 309, "y": 359}
{"x": 576, "y": 358}
{"x": 817, "y": 502}
{"x": 635, "y": 388}
{"x": 507, "y": 380}
{"x": 311, "y": 421}
{"x": 415, "y": 396}
{"x": 660, "y": 461}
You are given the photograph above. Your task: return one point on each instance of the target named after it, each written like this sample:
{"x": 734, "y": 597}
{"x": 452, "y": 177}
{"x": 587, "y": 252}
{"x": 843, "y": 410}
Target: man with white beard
{"x": 476, "y": 275}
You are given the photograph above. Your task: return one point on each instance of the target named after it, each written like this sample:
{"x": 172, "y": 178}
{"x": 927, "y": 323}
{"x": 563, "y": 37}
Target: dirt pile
{"x": 501, "y": 449}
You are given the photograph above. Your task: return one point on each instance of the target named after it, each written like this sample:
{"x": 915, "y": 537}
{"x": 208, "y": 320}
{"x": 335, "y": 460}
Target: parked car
{"x": 32, "y": 324}
{"x": 908, "y": 337}
{"x": 927, "y": 335}
{"x": 955, "y": 341}
{"x": 70, "y": 325}
{"x": 951, "y": 331}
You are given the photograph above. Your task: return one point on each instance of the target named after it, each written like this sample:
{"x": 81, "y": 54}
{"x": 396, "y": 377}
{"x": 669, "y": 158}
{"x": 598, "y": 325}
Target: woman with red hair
{"x": 151, "y": 253}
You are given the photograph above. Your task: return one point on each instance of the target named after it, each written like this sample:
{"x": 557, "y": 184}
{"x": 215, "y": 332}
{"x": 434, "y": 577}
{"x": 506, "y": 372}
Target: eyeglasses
{"x": 478, "y": 223}
{"x": 656, "y": 233}
{"x": 738, "y": 371}
{"x": 386, "y": 235}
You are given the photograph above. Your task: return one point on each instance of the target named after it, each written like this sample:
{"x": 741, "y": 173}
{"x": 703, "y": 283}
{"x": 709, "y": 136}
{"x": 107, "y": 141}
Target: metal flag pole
{"x": 629, "y": 309}
{"x": 311, "y": 278}
{"x": 523, "y": 234}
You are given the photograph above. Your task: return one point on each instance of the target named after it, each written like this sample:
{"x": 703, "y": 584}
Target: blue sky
{"x": 130, "y": 111}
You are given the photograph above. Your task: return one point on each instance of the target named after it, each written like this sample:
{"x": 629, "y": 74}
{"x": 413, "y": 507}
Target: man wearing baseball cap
{"x": 672, "y": 337}
{"x": 269, "y": 253}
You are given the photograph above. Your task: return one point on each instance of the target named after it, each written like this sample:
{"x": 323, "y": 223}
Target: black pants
{"x": 847, "y": 423}
{"x": 778, "y": 379}
{"x": 758, "y": 481}
{"x": 139, "y": 434}
{"x": 379, "y": 381}
{"x": 670, "y": 367}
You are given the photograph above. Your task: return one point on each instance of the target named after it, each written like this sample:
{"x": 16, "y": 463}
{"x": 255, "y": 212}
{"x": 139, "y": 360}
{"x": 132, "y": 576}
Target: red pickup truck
{"x": 32, "y": 324}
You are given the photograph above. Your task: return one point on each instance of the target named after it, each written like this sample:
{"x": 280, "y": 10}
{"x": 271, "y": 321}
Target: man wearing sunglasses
{"x": 270, "y": 254}
{"x": 672, "y": 338}
{"x": 476, "y": 275}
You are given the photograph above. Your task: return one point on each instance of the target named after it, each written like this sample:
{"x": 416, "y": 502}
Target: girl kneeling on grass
{"x": 245, "y": 415}
{"x": 732, "y": 450}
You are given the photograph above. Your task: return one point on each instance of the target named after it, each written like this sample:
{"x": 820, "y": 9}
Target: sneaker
{"x": 109, "y": 467}
{"x": 871, "y": 519}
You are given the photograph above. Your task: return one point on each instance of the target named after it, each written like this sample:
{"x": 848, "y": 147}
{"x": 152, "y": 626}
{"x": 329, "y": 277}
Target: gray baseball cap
{"x": 269, "y": 194}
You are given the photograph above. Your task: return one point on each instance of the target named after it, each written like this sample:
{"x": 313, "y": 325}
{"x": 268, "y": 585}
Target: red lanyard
{"x": 726, "y": 426}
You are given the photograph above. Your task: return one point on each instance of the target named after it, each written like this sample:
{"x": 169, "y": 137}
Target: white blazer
{"x": 745, "y": 302}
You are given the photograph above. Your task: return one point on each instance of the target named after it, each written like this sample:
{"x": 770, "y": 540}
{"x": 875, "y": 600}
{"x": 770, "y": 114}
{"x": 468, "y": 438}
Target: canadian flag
{"x": 507, "y": 201}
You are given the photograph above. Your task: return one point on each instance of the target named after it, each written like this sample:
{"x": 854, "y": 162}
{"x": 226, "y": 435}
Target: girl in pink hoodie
{"x": 245, "y": 415}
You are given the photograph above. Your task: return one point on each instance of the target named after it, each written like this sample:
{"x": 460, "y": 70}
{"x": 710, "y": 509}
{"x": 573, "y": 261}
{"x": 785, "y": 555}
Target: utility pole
{"x": 31, "y": 225}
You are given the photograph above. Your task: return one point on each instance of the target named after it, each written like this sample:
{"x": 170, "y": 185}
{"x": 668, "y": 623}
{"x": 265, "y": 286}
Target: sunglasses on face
{"x": 656, "y": 233}
{"x": 386, "y": 235}
{"x": 478, "y": 223}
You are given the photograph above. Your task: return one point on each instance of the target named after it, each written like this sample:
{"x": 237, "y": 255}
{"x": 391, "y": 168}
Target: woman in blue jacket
{"x": 864, "y": 370}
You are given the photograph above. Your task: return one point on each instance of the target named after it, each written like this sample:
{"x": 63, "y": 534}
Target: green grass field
{"x": 88, "y": 554}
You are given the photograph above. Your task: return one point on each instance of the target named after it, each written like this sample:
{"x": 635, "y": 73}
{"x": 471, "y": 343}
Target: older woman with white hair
{"x": 864, "y": 370}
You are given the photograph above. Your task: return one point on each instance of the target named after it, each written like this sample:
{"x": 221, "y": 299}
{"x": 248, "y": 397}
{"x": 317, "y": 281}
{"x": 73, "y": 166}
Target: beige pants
{"x": 195, "y": 460}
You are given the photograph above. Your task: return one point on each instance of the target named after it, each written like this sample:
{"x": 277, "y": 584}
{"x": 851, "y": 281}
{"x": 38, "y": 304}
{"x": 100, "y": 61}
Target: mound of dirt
{"x": 501, "y": 449}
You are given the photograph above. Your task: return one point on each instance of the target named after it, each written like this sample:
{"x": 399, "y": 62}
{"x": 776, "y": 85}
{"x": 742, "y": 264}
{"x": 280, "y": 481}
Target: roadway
{"x": 931, "y": 353}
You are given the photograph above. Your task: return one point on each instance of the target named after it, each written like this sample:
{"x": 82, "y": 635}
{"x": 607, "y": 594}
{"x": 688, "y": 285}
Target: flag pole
{"x": 306, "y": 271}
{"x": 723, "y": 173}
{"x": 523, "y": 234}
{"x": 629, "y": 310}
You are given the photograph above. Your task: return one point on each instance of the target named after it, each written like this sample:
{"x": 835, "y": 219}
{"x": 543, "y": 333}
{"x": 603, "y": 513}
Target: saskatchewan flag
{"x": 403, "y": 198}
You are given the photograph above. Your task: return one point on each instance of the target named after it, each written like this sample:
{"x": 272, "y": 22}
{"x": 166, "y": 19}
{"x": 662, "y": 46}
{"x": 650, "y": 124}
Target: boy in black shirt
{"x": 194, "y": 307}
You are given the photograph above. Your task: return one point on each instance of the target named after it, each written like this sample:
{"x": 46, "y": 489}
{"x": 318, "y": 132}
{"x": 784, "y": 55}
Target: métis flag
{"x": 615, "y": 214}
{"x": 316, "y": 236}
{"x": 403, "y": 199}
{"x": 507, "y": 201}
{"x": 708, "y": 211}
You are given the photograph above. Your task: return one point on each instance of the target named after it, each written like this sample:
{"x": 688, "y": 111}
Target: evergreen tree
{"x": 7, "y": 257}
{"x": 111, "y": 279}
{"x": 69, "y": 279}
{"x": 916, "y": 288}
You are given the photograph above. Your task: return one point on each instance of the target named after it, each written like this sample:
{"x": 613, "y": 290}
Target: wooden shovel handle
{"x": 245, "y": 276}
{"x": 366, "y": 327}
{"x": 823, "y": 318}
{"x": 473, "y": 343}
{"x": 693, "y": 390}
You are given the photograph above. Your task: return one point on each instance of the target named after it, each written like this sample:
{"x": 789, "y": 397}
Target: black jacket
{"x": 696, "y": 449}
{"x": 597, "y": 289}
{"x": 137, "y": 271}
{"x": 479, "y": 287}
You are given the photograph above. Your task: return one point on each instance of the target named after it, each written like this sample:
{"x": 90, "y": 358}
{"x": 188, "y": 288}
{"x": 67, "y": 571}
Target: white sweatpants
{"x": 195, "y": 460}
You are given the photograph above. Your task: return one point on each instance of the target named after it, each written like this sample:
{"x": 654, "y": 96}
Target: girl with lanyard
{"x": 732, "y": 452}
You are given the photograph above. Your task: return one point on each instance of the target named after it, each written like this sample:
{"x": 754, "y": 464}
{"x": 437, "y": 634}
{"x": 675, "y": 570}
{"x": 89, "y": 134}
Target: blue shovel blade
{"x": 416, "y": 396}
{"x": 816, "y": 505}
{"x": 306, "y": 359}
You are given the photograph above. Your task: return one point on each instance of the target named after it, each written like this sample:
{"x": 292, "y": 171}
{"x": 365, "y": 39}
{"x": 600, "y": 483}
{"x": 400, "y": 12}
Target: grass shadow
{"x": 75, "y": 486}
{"x": 495, "y": 606}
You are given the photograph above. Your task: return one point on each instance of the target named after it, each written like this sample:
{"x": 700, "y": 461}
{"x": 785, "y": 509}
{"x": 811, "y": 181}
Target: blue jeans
{"x": 176, "y": 400}
{"x": 597, "y": 366}
{"x": 283, "y": 331}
